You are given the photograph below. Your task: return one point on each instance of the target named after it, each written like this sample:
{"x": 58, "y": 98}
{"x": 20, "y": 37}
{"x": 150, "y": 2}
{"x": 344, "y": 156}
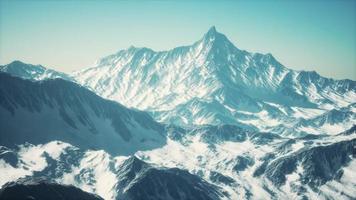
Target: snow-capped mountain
{"x": 32, "y": 72}
{"x": 214, "y": 82}
{"x": 55, "y": 109}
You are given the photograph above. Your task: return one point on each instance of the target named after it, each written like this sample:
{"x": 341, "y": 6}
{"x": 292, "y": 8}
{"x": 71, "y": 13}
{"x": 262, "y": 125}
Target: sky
{"x": 71, "y": 35}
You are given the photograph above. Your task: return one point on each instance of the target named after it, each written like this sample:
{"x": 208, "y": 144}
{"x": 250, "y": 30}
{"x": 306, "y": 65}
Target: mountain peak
{"x": 212, "y": 33}
{"x": 216, "y": 40}
{"x": 17, "y": 62}
{"x": 34, "y": 72}
{"x": 212, "y": 30}
{"x": 18, "y": 66}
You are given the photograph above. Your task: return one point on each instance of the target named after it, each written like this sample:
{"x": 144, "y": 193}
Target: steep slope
{"x": 30, "y": 188}
{"x": 214, "y": 82}
{"x": 32, "y": 72}
{"x": 39, "y": 112}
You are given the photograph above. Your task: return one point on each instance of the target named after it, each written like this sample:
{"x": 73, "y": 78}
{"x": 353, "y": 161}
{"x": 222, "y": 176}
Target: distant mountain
{"x": 35, "y": 188}
{"x": 56, "y": 109}
{"x": 32, "y": 72}
{"x": 214, "y": 82}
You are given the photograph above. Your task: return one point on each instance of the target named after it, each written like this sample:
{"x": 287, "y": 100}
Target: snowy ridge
{"x": 33, "y": 72}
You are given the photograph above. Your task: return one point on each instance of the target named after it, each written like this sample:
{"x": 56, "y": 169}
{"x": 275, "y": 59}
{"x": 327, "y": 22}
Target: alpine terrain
{"x": 214, "y": 82}
{"x": 205, "y": 121}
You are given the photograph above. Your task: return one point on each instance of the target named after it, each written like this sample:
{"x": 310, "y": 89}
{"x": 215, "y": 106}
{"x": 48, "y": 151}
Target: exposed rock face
{"x": 242, "y": 163}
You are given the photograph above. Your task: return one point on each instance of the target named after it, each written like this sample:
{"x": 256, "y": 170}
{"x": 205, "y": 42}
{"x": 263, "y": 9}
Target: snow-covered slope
{"x": 330, "y": 122}
{"x": 252, "y": 165}
{"x": 55, "y": 109}
{"x": 32, "y": 72}
{"x": 214, "y": 82}
{"x": 215, "y": 162}
{"x": 97, "y": 172}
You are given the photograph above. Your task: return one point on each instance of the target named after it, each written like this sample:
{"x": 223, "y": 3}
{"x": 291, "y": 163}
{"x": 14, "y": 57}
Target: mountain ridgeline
{"x": 214, "y": 82}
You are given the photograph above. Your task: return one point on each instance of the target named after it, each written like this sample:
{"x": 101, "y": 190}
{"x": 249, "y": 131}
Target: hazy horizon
{"x": 71, "y": 35}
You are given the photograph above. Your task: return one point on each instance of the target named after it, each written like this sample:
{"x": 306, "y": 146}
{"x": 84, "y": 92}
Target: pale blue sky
{"x": 70, "y": 35}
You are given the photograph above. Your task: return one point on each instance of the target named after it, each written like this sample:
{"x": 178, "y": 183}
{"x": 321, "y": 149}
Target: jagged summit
{"x": 212, "y": 29}
{"x": 211, "y": 32}
{"x": 214, "y": 39}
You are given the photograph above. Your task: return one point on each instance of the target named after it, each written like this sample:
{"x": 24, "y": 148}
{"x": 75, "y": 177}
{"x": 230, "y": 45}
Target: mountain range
{"x": 214, "y": 82}
{"x": 214, "y": 162}
{"x": 204, "y": 121}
